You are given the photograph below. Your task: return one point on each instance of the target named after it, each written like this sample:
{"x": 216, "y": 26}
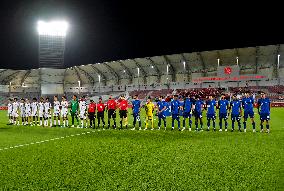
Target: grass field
{"x": 83, "y": 159}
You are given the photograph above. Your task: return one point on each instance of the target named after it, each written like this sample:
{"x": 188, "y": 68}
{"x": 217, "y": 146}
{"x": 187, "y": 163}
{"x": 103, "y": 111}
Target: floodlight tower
{"x": 52, "y": 37}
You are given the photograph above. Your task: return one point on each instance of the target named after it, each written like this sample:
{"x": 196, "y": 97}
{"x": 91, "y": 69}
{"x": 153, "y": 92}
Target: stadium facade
{"x": 239, "y": 67}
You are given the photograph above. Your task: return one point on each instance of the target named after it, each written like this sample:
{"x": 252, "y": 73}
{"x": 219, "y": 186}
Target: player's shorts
{"x": 235, "y": 117}
{"x": 64, "y": 113}
{"x": 100, "y": 114}
{"x": 197, "y": 115}
{"x": 23, "y": 114}
{"x": 137, "y": 116}
{"x": 82, "y": 115}
{"x": 15, "y": 114}
{"x": 47, "y": 115}
{"x": 123, "y": 113}
{"x": 161, "y": 115}
{"x": 223, "y": 116}
{"x": 91, "y": 115}
{"x": 41, "y": 114}
{"x": 10, "y": 113}
{"x": 211, "y": 116}
{"x": 27, "y": 113}
{"x": 149, "y": 117}
{"x": 34, "y": 113}
{"x": 175, "y": 116}
{"x": 111, "y": 113}
{"x": 248, "y": 113}
{"x": 56, "y": 114}
{"x": 264, "y": 116}
{"x": 186, "y": 115}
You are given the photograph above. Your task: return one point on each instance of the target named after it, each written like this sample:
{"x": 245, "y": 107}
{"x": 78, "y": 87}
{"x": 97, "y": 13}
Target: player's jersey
{"x": 40, "y": 107}
{"x": 210, "y": 105}
{"x": 111, "y": 104}
{"x": 235, "y": 107}
{"x": 187, "y": 105}
{"x": 223, "y": 105}
{"x": 56, "y": 107}
{"x": 264, "y": 105}
{"x": 22, "y": 108}
{"x": 15, "y": 106}
{"x": 136, "y": 106}
{"x": 175, "y": 105}
{"x": 27, "y": 108}
{"x": 34, "y": 106}
{"x": 247, "y": 103}
{"x": 47, "y": 107}
{"x": 149, "y": 107}
{"x": 82, "y": 106}
{"x": 64, "y": 105}
{"x": 123, "y": 105}
{"x": 161, "y": 105}
{"x": 198, "y": 106}
{"x": 10, "y": 108}
{"x": 100, "y": 107}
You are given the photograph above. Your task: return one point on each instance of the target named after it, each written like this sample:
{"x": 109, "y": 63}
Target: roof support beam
{"x": 256, "y": 59}
{"x": 113, "y": 73}
{"x": 158, "y": 72}
{"x": 187, "y": 68}
{"x": 8, "y": 78}
{"x": 127, "y": 70}
{"x": 104, "y": 78}
{"x": 142, "y": 71}
{"x": 202, "y": 62}
{"x": 25, "y": 76}
{"x": 172, "y": 67}
{"x": 91, "y": 78}
{"x": 275, "y": 67}
{"x": 78, "y": 75}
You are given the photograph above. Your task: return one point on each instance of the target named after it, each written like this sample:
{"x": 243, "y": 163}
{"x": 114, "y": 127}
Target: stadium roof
{"x": 195, "y": 62}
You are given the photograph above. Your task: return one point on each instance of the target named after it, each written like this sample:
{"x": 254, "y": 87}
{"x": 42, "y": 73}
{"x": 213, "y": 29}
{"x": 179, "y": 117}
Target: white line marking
{"x": 47, "y": 140}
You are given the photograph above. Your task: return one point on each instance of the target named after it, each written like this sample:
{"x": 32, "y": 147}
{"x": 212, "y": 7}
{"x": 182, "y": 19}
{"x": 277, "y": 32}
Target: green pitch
{"x": 37, "y": 158}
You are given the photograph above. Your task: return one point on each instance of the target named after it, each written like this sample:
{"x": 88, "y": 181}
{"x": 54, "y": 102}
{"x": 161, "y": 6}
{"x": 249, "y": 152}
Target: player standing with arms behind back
{"x": 111, "y": 107}
{"x": 64, "y": 111}
{"x": 83, "y": 111}
{"x": 136, "y": 104}
{"x": 56, "y": 111}
{"x": 74, "y": 110}
{"x": 211, "y": 113}
{"x": 264, "y": 111}
{"x": 10, "y": 110}
{"x": 149, "y": 108}
{"x": 175, "y": 107}
{"x": 247, "y": 103}
{"x": 34, "y": 106}
{"x": 236, "y": 108}
{"x": 101, "y": 113}
{"x": 223, "y": 106}
{"x": 123, "y": 106}
{"x": 162, "y": 106}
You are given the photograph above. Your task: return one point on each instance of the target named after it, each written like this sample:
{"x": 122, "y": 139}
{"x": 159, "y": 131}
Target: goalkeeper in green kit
{"x": 74, "y": 110}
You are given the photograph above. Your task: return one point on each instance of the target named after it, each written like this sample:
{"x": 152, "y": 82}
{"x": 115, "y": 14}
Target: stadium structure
{"x": 258, "y": 68}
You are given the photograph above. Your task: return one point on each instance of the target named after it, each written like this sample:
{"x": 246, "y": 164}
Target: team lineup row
{"x": 39, "y": 113}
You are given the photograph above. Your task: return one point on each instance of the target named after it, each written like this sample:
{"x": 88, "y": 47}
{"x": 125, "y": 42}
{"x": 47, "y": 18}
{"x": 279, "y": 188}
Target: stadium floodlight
{"x": 237, "y": 60}
{"x": 124, "y": 71}
{"x": 152, "y": 66}
{"x": 218, "y": 62}
{"x": 183, "y": 65}
{"x": 278, "y": 61}
{"x": 53, "y": 28}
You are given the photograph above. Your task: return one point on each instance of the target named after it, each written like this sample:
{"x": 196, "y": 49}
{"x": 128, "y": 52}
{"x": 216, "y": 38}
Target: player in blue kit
{"x": 236, "y": 109}
{"x": 187, "y": 111}
{"x": 175, "y": 107}
{"x": 198, "y": 107}
{"x": 211, "y": 113}
{"x": 136, "y": 105}
{"x": 264, "y": 111}
{"x": 161, "y": 107}
{"x": 223, "y": 106}
{"x": 247, "y": 104}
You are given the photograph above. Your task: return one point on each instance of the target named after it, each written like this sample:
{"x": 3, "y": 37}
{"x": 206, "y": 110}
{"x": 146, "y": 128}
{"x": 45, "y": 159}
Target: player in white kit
{"x": 34, "y": 107}
{"x": 64, "y": 111}
{"x": 83, "y": 111}
{"x": 56, "y": 111}
{"x": 10, "y": 110}
{"x": 22, "y": 111}
{"x": 47, "y": 112}
{"x": 40, "y": 111}
{"x": 15, "y": 111}
{"x": 28, "y": 112}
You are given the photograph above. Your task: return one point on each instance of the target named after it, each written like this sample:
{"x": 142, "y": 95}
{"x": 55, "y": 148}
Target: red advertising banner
{"x": 236, "y": 78}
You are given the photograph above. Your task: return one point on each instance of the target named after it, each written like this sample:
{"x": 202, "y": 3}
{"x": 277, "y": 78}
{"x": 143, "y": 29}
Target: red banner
{"x": 236, "y": 78}
{"x": 3, "y": 108}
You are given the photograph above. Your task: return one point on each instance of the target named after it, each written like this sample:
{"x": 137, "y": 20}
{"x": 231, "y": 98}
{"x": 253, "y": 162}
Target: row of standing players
{"x": 37, "y": 112}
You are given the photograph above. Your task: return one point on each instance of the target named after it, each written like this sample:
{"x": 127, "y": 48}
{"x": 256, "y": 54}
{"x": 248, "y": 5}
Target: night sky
{"x": 112, "y": 30}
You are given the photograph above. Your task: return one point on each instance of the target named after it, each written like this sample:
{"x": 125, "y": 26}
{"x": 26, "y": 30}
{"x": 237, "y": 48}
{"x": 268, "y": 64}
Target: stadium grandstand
{"x": 209, "y": 72}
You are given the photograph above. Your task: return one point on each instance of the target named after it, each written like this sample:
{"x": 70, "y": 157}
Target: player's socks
{"x": 233, "y": 124}
{"x": 267, "y": 126}
{"x": 54, "y": 122}
{"x": 253, "y": 125}
{"x": 183, "y": 123}
{"x": 226, "y": 124}
{"x": 63, "y": 123}
{"x": 58, "y": 122}
{"x": 245, "y": 124}
{"x": 261, "y": 126}
{"x": 67, "y": 123}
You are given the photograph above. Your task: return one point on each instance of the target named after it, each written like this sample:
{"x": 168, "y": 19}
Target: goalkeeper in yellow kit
{"x": 149, "y": 107}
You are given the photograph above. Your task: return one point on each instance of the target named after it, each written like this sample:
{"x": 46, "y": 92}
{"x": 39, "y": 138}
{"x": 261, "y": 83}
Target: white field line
{"x": 47, "y": 140}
